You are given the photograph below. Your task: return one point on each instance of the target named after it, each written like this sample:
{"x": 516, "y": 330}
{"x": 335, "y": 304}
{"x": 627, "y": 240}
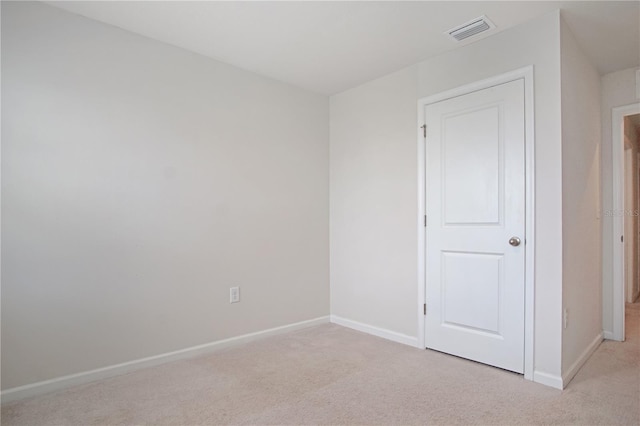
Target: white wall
{"x": 581, "y": 233}
{"x": 374, "y": 155}
{"x": 373, "y": 203}
{"x": 139, "y": 183}
{"x": 617, "y": 89}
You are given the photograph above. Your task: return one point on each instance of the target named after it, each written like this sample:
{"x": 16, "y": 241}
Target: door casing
{"x": 527, "y": 74}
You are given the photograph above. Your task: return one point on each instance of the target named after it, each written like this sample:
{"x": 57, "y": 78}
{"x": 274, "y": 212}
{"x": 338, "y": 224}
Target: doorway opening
{"x": 631, "y": 130}
{"x": 626, "y": 214}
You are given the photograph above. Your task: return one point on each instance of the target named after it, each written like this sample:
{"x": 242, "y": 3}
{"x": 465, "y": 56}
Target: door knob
{"x": 514, "y": 241}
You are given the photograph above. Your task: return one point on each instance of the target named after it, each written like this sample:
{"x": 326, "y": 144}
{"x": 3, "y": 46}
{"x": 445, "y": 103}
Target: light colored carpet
{"x": 333, "y": 375}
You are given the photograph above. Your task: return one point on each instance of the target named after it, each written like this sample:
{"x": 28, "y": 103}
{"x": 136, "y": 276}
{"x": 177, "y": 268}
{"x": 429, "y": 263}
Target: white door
{"x": 475, "y": 242}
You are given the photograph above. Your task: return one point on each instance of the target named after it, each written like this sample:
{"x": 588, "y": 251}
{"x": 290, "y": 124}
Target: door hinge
{"x": 424, "y": 130}
{"x": 622, "y": 238}
{"x": 425, "y": 220}
{"x": 425, "y": 309}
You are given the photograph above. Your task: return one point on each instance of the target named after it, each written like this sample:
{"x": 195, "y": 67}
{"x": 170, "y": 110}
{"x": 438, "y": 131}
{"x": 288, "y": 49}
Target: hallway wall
{"x": 581, "y": 235}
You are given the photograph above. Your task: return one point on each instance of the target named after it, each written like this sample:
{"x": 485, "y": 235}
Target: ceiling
{"x": 328, "y": 47}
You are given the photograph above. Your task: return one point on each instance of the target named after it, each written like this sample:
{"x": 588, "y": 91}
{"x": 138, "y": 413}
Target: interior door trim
{"x": 527, "y": 74}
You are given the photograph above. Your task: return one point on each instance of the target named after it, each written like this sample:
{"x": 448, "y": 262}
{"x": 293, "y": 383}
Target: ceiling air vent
{"x": 471, "y": 28}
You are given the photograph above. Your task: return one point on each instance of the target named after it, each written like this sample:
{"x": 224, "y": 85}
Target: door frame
{"x": 618, "y": 284}
{"x": 526, "y": 74}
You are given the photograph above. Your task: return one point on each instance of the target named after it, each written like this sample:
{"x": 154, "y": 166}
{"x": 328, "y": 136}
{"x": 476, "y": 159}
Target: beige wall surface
{"x": 581, "y": 232}
{"x": 141, "y": 181}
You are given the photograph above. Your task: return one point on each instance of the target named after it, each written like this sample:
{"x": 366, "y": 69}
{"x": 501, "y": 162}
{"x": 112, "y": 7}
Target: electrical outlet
{"x": 565, "y": 317}
{"x": 234, "y": 294}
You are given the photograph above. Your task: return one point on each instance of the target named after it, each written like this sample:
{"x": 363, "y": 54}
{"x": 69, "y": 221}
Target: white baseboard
{"x": 547, "y": 379}
{"x": 575, "y": 367}
{"x": 63, "y": 382}
{"x": 608, "y": 335}
{"x": 376, "y": 331}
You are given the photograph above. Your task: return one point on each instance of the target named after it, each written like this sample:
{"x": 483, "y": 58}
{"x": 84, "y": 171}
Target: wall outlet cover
{"x": 234, "y": 294}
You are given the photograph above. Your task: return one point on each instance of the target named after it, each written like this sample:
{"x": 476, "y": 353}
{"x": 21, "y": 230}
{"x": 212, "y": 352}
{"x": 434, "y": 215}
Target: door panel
{"x": 472, "y": 173}
{"x": 475, "y": 204}
{"x": 471, "y": 291}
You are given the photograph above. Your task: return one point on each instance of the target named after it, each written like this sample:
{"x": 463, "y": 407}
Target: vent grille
{"x": 471, "y": 28}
